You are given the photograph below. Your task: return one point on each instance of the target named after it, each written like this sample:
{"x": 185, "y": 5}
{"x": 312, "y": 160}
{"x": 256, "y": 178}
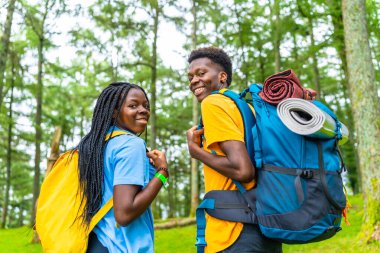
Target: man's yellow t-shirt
{"x": 222, "y": 122}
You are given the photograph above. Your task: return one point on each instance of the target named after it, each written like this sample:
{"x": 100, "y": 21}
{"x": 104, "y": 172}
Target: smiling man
{"x": 224, "y": 154}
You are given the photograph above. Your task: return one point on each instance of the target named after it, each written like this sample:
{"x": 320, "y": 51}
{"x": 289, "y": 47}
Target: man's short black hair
{"x": 217, "y": 56}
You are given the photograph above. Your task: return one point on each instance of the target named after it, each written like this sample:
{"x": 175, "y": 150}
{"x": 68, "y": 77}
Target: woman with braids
{"x": 120, "y": 168}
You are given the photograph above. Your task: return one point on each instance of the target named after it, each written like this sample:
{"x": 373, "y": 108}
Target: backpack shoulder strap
{"x": 258, "y": 103}
{"x": 100, "y": 214}
{"x": 249, "y": 120}
{"x": 116, "y": 133}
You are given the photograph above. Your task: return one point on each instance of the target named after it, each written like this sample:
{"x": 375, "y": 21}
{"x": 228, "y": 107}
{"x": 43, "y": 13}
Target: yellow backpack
{"x": 57, "y": 222}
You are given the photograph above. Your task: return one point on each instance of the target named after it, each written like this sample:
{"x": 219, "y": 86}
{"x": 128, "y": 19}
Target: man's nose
{"x": 194, "y": 80}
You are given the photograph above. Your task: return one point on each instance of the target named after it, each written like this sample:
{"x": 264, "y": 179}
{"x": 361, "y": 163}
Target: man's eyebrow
{"x": 199, "y": 69}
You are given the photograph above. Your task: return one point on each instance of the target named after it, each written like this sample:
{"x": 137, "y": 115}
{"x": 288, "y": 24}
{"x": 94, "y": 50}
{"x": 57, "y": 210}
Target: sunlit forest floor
{"x": 182, "y": 239}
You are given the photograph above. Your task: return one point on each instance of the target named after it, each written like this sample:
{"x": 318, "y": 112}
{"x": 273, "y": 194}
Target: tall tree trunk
{"x": 171, "y": 198}
{"x": 38, "y": 129}
{"x": 153, "y": 96}
{"x": 316, "y": 76}
{"x": 37, "y": 24}
{"x": 337, "y": 21}
{"x": 187, "y": 198}
{"x": 365, "y": 107}
{"x": 9, "y": 154}
{"x": 114, "y": 65}
{"x": 295, "y": 52}
{"x": 4, "y": 47}
{"x": 307, "y": 13}
{"x": 261, "y": 61}
{"x": 194, "y": 163}
{"x": 21, "y": 214}
{"x": 153, "y": 99}
{"x": 244, "y": 69}
{"x": 277, "y": 36}
{"x": 176, "y": 202}
{"x": 11, "y": 214}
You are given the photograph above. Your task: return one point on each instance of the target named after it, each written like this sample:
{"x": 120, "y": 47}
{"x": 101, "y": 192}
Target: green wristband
{"x": 163, "y": 179}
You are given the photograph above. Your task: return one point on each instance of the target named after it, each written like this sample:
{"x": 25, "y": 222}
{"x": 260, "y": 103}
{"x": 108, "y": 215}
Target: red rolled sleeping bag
{"x": 284, "y": 85}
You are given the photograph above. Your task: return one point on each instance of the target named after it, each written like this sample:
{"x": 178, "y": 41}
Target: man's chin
{"x": 201, "y": 97}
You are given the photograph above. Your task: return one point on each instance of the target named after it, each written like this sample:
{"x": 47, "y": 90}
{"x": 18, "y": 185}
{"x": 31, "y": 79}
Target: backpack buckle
{"x": 308, "y": 174}
{"x": 201, "y": 242}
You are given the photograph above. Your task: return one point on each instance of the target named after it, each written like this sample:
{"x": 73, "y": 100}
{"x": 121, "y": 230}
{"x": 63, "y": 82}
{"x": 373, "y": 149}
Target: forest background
{"x": 56, "y": 56}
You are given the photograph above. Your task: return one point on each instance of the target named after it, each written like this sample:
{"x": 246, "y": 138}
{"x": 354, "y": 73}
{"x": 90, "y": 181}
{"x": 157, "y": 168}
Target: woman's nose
{"x": 143, "y": 109}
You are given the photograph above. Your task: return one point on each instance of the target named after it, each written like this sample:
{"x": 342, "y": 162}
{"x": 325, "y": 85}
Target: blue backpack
{"x": 299, "y": 196}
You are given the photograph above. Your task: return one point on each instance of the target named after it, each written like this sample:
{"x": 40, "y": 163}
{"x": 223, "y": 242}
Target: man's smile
{"x": 198, "y": 91}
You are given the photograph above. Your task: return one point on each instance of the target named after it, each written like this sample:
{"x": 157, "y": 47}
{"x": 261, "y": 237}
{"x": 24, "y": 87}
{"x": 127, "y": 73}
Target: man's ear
{"x": 223, "y": 76}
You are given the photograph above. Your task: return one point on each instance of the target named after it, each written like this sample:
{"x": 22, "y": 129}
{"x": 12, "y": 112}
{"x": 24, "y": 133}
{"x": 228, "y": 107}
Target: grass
{"x": 175, "y": 240}
{"x": 17, "y": 240}
{"x": 182, "y": 239}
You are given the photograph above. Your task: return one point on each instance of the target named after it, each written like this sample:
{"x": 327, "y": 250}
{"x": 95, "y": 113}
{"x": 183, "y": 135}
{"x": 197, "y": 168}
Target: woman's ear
{"x": 114, "y": 114}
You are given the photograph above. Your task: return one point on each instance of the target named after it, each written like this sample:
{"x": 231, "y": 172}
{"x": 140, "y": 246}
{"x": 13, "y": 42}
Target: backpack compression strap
{"x": 249, "y": 121}
{"x": 104, "y": 210}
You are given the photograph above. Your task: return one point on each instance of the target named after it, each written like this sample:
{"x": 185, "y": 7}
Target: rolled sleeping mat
{"x": 304, "y": 118}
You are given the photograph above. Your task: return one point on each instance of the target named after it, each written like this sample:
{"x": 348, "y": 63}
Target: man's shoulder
{"x": 215, "y": 98}
{"x": 218, "y": 100}
{"x": 224, "y": 102}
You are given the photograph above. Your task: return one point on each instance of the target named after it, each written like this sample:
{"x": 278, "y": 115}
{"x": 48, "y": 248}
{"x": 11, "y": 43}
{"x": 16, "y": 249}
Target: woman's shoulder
{"x": 126, "y": 140}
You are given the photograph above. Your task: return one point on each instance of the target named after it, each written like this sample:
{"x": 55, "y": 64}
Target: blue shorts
{"x": 251, "y": 240}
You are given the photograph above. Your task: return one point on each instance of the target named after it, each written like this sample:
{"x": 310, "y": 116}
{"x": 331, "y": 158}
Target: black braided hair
{"x": 91, "y": 147}
{"x": 217, "y": 56}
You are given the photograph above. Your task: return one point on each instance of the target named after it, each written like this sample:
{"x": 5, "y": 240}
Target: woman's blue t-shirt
{"x": 125, "y": 162}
